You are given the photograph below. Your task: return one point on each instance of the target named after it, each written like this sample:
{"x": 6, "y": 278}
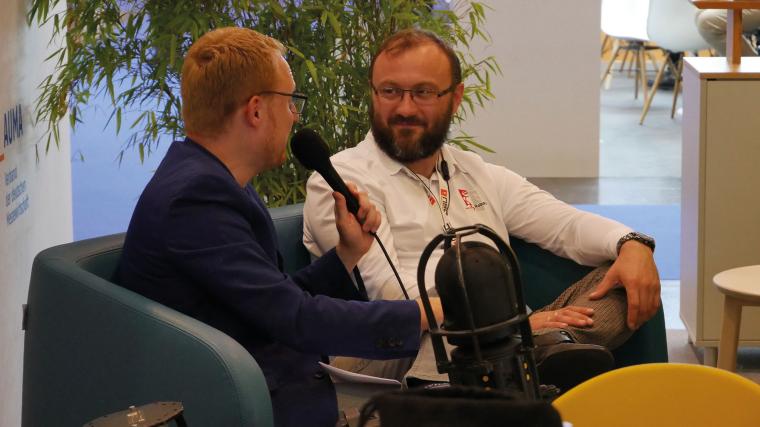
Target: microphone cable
{"x": 393, "y": 267}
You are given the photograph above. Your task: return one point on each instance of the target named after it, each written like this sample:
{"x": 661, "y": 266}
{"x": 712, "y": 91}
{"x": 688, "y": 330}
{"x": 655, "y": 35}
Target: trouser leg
{"x": 610, "y": 312}
{"x": 609, "y": 329}
{"x": 712, "y": 25}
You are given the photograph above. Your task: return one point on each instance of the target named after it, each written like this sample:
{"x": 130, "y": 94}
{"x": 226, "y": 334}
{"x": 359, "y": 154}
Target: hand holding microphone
{"x": 312, "y": 152}
{"x": 356, "y": 231}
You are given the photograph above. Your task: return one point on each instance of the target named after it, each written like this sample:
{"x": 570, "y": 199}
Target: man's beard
{"x": 424, "y": 146}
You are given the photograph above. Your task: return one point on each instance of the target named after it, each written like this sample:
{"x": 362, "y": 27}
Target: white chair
{"x": 671, "y": 26}
{"x": 626, "y": 22}
{"x": 625, "y": 19}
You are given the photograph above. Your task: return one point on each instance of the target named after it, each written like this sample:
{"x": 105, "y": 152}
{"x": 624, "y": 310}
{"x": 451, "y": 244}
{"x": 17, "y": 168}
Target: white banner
{"x": 35, "y": 188}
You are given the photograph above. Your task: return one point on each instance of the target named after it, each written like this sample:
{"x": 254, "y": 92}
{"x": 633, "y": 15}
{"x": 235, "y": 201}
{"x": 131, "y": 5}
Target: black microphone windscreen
{"x": 310, "y": 150}
{"x": 490, "y": 287}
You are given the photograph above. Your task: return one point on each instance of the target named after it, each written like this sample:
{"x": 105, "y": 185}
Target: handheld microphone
{"x": 312, "y": 152}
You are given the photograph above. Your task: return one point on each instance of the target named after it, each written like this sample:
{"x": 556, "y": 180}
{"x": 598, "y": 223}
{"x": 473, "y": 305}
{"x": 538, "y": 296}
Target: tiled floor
{"x": 641, "y": 164}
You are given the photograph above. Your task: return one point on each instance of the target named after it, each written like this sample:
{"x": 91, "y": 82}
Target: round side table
{"x": 740, "y": 286}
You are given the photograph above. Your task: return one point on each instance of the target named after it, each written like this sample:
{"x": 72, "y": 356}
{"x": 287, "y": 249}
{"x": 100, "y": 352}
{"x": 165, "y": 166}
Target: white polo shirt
{"x": 477, "y": 192}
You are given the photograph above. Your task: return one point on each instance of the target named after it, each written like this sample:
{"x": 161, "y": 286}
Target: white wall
{"x": 35, "y": 194}
{"x": 545, "y": 119}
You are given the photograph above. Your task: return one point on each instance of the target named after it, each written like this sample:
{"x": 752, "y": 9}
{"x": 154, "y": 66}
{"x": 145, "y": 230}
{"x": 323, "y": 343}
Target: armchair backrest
{"x": 93, "y": 348}
{"x": 288, "y": 223}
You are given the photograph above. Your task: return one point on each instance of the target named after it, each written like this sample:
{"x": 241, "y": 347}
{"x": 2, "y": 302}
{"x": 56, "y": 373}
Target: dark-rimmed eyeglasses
{"x": 421, "y": 95}
{"x": 297, "y": 100}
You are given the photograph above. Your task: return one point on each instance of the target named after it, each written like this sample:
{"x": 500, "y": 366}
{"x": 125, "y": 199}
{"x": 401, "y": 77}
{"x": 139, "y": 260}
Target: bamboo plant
{"x": 132, "y": 50}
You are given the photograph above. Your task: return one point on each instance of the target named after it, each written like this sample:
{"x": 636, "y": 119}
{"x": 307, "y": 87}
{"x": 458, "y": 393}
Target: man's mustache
{"x": 409, "y": 121}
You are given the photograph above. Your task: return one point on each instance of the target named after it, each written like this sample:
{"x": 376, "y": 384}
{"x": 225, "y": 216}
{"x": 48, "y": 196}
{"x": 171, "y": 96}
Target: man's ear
{"x": 254, "y": 111}
{"x": 458, "y": 94}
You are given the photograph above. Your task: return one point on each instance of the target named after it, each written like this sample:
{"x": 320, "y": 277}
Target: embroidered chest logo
{"x": 471, "y": 199}
{"x": 431, "y": 199}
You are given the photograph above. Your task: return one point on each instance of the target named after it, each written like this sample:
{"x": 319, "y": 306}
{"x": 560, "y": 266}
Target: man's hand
{"x": 571, "y": 315}
{"x": 636, "y": 271}
{"x": 354, "y": 231}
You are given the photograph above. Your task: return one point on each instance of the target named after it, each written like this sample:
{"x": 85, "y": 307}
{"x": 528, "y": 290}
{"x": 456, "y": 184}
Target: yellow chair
{"x": 663, "y": 394}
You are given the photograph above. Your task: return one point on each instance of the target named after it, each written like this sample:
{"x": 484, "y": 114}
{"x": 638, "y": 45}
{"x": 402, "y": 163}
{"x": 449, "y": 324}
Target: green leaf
{"x": 313, "y": 71}
{"x": 297, "y": 52}
{"x": 172, "y": 51}
{"x": 278, "y": 10}
{"x": 334, "y": 24}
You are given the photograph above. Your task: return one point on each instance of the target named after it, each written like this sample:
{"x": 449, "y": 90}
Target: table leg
{"x": 734, "y": 36}
{"x": 729, "y": 335}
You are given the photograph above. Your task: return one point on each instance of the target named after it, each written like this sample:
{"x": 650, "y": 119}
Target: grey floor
{"x": 641, "y": 164}
{"x": 638, "y": 164}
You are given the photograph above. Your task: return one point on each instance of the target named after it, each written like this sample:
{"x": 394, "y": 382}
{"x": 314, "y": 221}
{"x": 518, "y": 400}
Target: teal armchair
{"x": 93, "y": 348}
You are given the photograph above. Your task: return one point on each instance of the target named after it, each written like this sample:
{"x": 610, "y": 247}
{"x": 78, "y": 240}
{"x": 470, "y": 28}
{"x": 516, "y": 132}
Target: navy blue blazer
{"x": 202, "y": 244}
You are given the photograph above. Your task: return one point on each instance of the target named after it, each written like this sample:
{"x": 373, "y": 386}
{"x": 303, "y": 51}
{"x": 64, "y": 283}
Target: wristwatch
{"x": 639, "y": 237}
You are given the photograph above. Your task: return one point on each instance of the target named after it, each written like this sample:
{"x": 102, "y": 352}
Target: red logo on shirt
{"x": 465, "y": 198}
{"x": 432, "y": 200}
{"x": 471, "y": 199}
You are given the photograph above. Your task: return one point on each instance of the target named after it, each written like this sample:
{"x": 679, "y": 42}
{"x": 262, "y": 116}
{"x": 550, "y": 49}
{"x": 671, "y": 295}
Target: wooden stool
{"x": 741, "y": 286}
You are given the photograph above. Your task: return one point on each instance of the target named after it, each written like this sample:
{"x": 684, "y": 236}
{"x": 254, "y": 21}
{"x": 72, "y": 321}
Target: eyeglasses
{"x": 297, "y": 100}
{"x": 420, "y": 95}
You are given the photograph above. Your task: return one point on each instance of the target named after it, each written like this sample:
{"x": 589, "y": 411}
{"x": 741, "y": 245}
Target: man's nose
{"x": 406, "y": 105}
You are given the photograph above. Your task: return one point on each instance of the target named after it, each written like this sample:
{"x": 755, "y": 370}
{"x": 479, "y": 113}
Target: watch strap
{"x": 639, "y": 237}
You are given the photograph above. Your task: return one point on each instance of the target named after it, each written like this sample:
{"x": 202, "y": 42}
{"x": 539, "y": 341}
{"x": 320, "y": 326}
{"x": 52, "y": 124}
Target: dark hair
{"x": 412, "y": 37}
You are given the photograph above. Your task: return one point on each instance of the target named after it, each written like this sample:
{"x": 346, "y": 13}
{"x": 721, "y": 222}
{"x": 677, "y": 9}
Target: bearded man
{"x": 422, "y": 187}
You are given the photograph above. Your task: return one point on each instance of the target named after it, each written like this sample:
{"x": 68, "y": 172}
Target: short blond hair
{"x": 222, "y": 70}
